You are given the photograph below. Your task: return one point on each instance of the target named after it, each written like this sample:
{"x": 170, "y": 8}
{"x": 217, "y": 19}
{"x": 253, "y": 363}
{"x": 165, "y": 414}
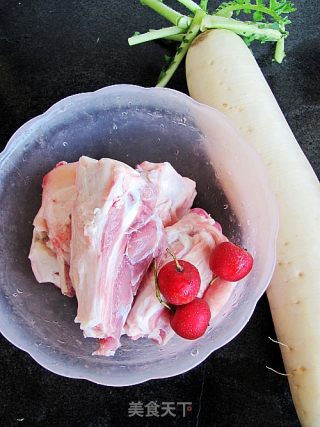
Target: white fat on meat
{"x": 50, "y": 248}
{"x": 191, "y": 239}
{"x": 175, "y": 193}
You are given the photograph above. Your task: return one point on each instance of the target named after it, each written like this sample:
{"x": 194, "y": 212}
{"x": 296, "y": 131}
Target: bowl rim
{"x": 39, "y": 356}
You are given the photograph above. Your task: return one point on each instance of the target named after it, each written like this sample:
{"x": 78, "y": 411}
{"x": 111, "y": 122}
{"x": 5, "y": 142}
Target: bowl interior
{"x": 130, "y": 124}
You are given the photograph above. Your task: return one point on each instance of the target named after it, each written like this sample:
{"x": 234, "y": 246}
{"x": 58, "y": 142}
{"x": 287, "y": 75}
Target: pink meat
{"x": 217, "y": 295}
{"x": 191, "y": 239}
{"x": 50, "y": 249}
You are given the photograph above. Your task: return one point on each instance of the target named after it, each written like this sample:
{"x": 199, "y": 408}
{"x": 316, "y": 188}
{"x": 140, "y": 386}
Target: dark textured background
{"x": 54, "y": 48}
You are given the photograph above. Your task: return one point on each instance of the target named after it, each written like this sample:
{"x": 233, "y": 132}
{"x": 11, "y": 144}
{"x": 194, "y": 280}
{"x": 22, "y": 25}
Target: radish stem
{"x": 183, "y": 49}
{"x": 242, "y": 28}
{"x": 191, "y": 5}
{"x": 279, "y": 54}
{"x": 154, "y": 35}
{"x": 167, "y": 12}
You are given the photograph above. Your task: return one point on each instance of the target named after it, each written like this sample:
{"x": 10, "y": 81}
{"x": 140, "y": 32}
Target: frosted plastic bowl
{"x": 130, "y": 124}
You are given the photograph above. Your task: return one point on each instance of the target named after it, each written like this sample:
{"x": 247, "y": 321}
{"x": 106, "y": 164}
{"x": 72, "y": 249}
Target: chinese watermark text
{"x": 155, "y": 409}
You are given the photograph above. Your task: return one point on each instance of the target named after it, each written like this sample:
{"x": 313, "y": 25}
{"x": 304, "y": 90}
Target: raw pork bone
{"x": 115, "y": 236}
{"x": 50, "y": 248}
{"x": 50, "y": 257}
{"x": 192, "y": 239}
{"x": 116, "y": 232}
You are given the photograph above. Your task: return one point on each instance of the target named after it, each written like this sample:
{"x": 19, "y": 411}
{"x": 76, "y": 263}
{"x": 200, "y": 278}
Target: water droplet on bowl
{"x": 114, "y": 126}
{"x": 194, "y": 352}
{"x": 124, "y": 113}
{"x": 19, "y": 291}
{"x": 14, "y": 295}
{"x": 64, "y": 143}
{"x": 225, "y": 206}
{"x": 61, "y": 341}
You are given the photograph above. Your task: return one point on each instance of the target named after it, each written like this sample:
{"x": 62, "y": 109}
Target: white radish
{"x": 222, "y": 72}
